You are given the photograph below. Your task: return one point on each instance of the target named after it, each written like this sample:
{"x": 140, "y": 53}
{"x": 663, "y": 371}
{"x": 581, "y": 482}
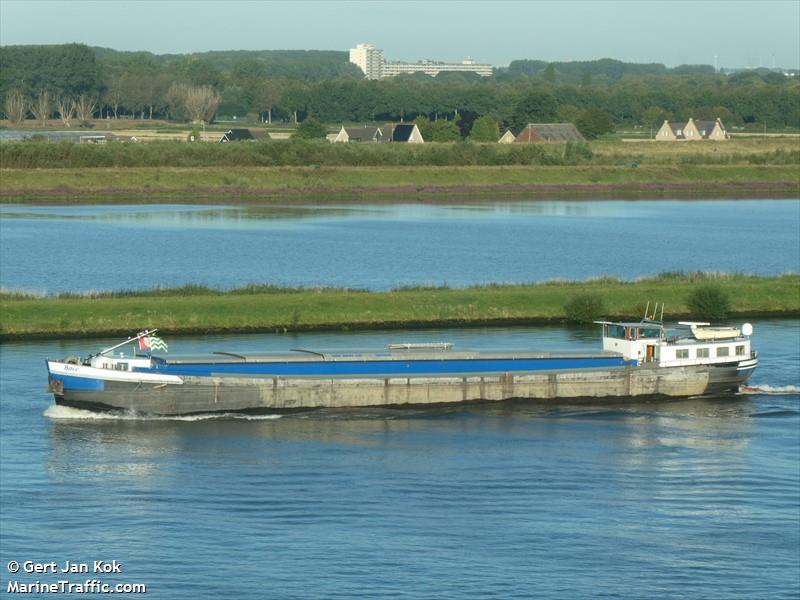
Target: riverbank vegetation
{"x": 266, "y": 308}
{"x": 303, "y": 153}
{"x": 313, "y": 170}
{"x": 289, "y": 185}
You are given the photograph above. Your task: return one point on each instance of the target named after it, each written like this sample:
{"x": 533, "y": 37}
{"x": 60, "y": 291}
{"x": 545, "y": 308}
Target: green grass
{"x": 264, "y": 184}
{"x": 256, "y": 308}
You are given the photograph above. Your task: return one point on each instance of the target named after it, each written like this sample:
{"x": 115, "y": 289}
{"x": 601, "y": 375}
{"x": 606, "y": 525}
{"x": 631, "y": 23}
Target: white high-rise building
{"x": 369, "y": 59}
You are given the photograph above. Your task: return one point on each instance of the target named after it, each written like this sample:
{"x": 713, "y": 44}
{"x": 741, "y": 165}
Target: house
{"x": 670, "y": 132}
{"x": 537, "y": 133}
{"x": 359, "y": 134}
{"x": 237, "y": 135}
{"x": 712, "y": 130}
{"x": 507, "y": 138}
{"x": 692, "y": 130}
{"x": 400, "y": 132}
{"x": 404, "y": 132}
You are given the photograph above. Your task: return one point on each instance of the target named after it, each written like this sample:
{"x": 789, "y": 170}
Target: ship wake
{"x": 67, "y": 413}
{"x": 771, "y": 390}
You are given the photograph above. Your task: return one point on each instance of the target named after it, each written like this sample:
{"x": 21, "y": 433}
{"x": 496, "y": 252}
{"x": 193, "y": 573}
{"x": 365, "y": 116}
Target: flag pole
{"x": 130, "y": 340}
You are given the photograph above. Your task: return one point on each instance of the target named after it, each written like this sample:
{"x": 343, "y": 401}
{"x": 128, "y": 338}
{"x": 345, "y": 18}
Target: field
{"x": 196, "y": 309}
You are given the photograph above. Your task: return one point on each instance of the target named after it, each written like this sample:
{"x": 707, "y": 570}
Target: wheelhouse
{"x": 647, "y": 341}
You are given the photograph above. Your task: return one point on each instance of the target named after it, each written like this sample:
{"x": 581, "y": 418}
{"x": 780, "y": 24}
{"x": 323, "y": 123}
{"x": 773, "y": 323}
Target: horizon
{"x": 485, "y": 32}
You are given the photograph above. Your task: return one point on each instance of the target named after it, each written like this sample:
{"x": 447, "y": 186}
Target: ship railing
{"x": 420, "y": 346}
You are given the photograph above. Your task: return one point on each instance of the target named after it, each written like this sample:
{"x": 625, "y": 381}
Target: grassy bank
{"x": 282, "y": 184}
{"x": 196, "y": 309}
{"x": 287, "y": 171}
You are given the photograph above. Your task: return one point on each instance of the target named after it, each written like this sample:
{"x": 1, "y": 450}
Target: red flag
{"x": 144, "y": 343}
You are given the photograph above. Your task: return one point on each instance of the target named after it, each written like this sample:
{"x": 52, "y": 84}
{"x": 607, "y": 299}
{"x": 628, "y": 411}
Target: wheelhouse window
{"x": 615, "y": 331}
{"x": 649, "y": 332}
{"x": 702, "y": 353}
{"x": 682, "y": 353}
{"x": 723, "y": 351}
{"x": 739, "y": 350}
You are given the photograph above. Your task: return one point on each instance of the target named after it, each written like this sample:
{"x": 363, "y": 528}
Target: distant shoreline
{"x": 272, "y": 185}
{"x": 192, "y": 310}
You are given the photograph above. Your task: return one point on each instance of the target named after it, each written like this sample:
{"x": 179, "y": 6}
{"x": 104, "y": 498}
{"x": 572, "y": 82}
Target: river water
{"x": 49, "y": 249}
{"x": 695, "y": 498}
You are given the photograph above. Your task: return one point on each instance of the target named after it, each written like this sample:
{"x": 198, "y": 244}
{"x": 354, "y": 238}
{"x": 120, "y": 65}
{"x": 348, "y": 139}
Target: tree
{"x": 568, "y": 113}
{"x": 16, "y": 106}
{"x": 310, "y": 129}
{"x": 653, "y": 116}
{"x": 175, "y": 101}
{"x": 66, "y": 110}
{"x": 267, "y": 96}
{"x": 537, "y": 106}
{"x": 41, "y": 107}
{"x": 723, "y": 114}
{"x": 296, "y": 84}
{"x": 133, "y": 88}
{"x": 235, "y": 101}
{"x": 594, "y": 122}
{"x": 113, "y": 94}
{"x": 60, "y": 69}
{"x": 201, "y": 102}
{"x": 85, "y": 106}
{"x": 202, "y": 72}
{"x": 154, "y": 91}
{"x": 445, "y": 131}
{"x": 294, "y": 98}
{"x": 549, "y": 73}
{"x": 484, "y": 129}
{"x": 424, "y": 124}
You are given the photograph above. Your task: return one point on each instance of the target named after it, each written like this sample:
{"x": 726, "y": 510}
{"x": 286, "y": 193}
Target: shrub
{"x": 310, "y": 129}
{"x": 585, "y": 308}
{"x": 484, "y": 129}
{"x": 444, "y": 131}
{"x": 576, "y": 152}
{"x": 710, "y": 302}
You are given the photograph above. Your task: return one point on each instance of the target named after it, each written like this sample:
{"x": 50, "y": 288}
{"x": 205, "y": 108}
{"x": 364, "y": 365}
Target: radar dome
{"x": 747, "y": 329}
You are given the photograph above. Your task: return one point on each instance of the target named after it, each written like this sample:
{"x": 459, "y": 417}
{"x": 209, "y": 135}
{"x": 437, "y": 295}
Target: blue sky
{"x": 740, "y": 33}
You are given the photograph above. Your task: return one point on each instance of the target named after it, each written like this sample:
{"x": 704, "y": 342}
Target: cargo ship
{"x": 638, "y": 358}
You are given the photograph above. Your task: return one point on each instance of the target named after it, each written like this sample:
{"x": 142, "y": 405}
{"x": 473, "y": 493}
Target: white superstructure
{"x": 647, "y": 342}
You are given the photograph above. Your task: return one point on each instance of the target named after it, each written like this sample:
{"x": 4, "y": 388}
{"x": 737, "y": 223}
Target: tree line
{"x": 73, "y": 82}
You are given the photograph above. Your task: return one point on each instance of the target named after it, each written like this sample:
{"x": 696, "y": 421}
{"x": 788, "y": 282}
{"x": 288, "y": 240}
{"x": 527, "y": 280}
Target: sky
{"x": 744, "y": 33}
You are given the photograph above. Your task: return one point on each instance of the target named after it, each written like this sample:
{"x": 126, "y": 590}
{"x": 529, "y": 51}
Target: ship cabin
{"x": 646, "y": 341}
{"x": 635, "y": 340}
